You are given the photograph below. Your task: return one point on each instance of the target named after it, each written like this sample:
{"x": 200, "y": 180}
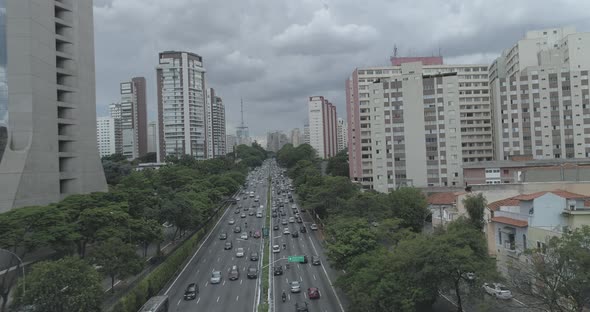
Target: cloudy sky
{"x": 276, "y": 53}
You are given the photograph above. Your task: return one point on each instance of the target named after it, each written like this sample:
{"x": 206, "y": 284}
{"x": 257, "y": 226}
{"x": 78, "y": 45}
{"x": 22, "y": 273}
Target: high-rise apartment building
{"x": 152, "y": 137}
{"x": 414, "y": 124}
{"x": 539, "y": 90}
{"x": 108, "y": 136}
{"x": 322, "y": 126}
{"x": 215, "y": 125}
{"x": 47, "y": 102}
{"x": 181, "y": 105}
{"x": 306, "y": 134}
{"x": 296, "y": 137}
{"x": 231, "y": 141}
{"x": 342, "y": 134}
{"x": 275, "y": 141}
{"x": 132, "y": 110}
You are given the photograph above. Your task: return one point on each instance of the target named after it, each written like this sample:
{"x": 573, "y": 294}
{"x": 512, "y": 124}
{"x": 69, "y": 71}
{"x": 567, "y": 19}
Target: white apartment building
{"x": 108, "y": 135}
{"x": 306, "y": 134}
{"x": 132, "y": 111}
{"x": 217, "y": 118}
{"x": 342, "y": 134}
{"x": 296, "y": 138}
{"x": 182, "y": 120}
{"x": 539, "y": 90}
{"x": 231, "y": 142}
{"x": 416, "y": 125}
{"x": 322, "y": 126}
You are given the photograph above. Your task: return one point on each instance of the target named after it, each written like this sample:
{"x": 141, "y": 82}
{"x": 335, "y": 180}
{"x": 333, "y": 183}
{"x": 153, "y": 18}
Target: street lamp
{"x": 22, "y": 265}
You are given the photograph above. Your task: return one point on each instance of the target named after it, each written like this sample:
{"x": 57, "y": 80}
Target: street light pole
{"x": 22, "y": 266}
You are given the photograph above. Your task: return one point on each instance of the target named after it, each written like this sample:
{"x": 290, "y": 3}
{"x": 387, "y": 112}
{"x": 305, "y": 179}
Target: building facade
{"x": 132, "y": 111}
{"x": 216, "y": 126}
{"x": 108, "y": 136}
{"x": 182, "y": 116}
{"x": 296, "y": 137}
{"x": 414, "y": 124}
{"x": 231, "y": 141}
{"x": 539, "y": 90}
{"x": 47, "y": 102}
{"x": 342, "y": 134}
{"x": 152, "y": 137}
{"x": 275, "y": 141}
{"x": 322, "y": 126}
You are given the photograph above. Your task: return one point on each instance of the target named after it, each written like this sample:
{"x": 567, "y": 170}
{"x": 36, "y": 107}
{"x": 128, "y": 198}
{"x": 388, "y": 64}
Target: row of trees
{"x": 104, "y": 229}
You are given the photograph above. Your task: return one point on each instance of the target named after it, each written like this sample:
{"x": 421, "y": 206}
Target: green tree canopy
{"x": 475, "y": 206}
{"x": 116, "y": 258}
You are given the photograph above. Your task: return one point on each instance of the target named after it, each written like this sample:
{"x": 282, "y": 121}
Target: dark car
{"x": 275, "y": 227}
{"x": 251, "y": 213}
{"x": 191, "y": 291}
{"x": 313, "y": 293}
{"x": 237, "y": 229}
{"x": 304, "y": 259}
{"x": 295, "y": 234}
{"x": 254, "y": 256}
{"x": 227, "y": 246}
{"x": 237, "y": 211}
{"x": 303, "y": 229}
{"x": 252, "y": 272}
{"x": 223, "y": 236}
{"x": 298, "y": 219}
{"x": 278, "y": 270}
{"x": 301, "y": 307}
{"x": 315, "y": 260}
{"x": 234, "y": 273}
{"x": 274, "y": 215}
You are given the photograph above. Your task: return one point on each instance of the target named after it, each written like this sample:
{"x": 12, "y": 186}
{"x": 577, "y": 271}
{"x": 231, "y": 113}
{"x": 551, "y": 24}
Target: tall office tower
{"x": 296, "y": 138}
{"x": 108, "y": 136}
{"x": 342, "y": 134}
{"x": 215, "y": 125}
{"x": 47, "y": 102}
{"x": 133, "y": 113}
{"x": 231, "y": 142}
{"x": 539, "y": 91}
{"x": 306, "y": 134}
{"x": 414, "y": 124}
{"x": 181, "y": 105}
{"x": 275, "y": 141}
{"x": 152, "y": 137}
{"x": 322, "y": 126}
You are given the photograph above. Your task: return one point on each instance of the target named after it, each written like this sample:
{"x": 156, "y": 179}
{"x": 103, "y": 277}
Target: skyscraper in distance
{"x": 322, "y": 126}
{"x": 48, "y": 146}
{"x": 133, "y": 115}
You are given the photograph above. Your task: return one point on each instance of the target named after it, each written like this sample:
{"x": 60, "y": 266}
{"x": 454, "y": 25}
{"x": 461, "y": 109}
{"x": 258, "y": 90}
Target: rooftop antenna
{"x": 394, "y": 50}
{"x": 242, "y": 110}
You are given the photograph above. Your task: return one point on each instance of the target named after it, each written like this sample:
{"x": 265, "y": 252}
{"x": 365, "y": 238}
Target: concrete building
{"x": 181, "y": 105}
{"x": 322, "y": 126}
{"x": 132, "y": 111}
{"x": 275, "y": 141}
{"x": 47, "y": 102}
{"x": 414, "y": 124}
{"x": 216, "y": 125}
{"x": 231, "y": 141}
{"x": 296, "y": 137}
{"x": 539, "y": 90}
{"x": 342, "y": 134}
{"x": 306, "y": 134}
{"x": 152, "y": 137}
{"x": 108, "y": 136}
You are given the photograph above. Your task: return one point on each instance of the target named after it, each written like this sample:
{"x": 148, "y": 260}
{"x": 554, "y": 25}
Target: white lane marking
{"x": 116, "y": 283}
{"x": 314, "y": 277}
{"x": 237, "y": 298}
{"x": 326, "y": 273}
{"x": 305, "y": 294}
{"x": 301, "y": 278}
{"x": 198, "y": 300}
{"x": 223, "y": 283}
{"x": 218, "y": 259}
{"x": 196, "y": 252}
{"x": 241, "y": 282}
{"x": 206, "y": 283}
{"x": 519, "y": 302}
{"x": 179, "y": 302}
{"x": 218, "y": 299}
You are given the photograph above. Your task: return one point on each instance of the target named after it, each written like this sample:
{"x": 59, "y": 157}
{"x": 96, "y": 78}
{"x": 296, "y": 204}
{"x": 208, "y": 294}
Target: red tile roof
{"x": 503, "y": 202}
{"x": 510, "y": 221}
{"x": 446, "y": 198}
{"x": 560, "y": 193}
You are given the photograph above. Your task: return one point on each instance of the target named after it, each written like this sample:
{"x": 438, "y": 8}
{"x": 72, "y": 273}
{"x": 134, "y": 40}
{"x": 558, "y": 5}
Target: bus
{"x": 156, "y": 304}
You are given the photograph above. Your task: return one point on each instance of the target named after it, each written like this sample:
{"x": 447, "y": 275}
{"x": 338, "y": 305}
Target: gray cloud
{"x": 275, "y": 54}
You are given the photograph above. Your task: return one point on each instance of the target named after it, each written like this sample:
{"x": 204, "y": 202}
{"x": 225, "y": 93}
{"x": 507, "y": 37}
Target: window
{"x": 541, "y": 247}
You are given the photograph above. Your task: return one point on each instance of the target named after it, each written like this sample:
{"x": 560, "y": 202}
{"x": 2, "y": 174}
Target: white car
{"x": 286, "y": 231}
{"x": 276, "y": 248}
{"x": 259, "y": 215}
{"x": 244, "y": 235}
{"x": 314, "y": 227}
{"x": 215, "y": 277}
{"x": 240, "y": 252}
{"x": 497, "y": 290}
{"x": 291, "y": 220}
{"x": 231, "y": 221}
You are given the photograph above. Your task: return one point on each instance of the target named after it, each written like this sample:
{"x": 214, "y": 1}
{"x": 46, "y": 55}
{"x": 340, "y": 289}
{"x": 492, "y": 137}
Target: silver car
{"x": 215, "y": 277}
{"x": 295, "y": 287}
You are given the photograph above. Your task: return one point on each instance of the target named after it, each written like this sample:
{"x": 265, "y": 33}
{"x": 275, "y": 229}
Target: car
{"x": 497, "y": 290}
{"x": 301, "y": 307}
{"x": 302, "y": 209}
{"x": 295, "y": 234}
{"x": 315, "y": 260}
{"x": 223, "y": 236}
{"x": 237, "y": 211}
{"x": 283, "y": 213}
{"x": 314, "y": 227}
{"x": 237, "y": 229}
{"x": 286, "y": 231}
{"x": 276, "y": 248}
{"x": 215, "y": 277}
{"x": 259, "y": 215}
{"x": 275, "y": 227}
{"x": 291, "y": 220}
{"x": 244, "y": 236}
{"x": 253, "y": 205}
{"x": 256, "y": 200}
{"x": 313, "y": 293}
{"x": 234, "y": 273}
{"x": 274, "y": 215}
{"x": 252, "y": 272}
{"x": 245, "y": 197}
{"x": 231, "y": 221}
{"x": 299, "y": 220}
{"x": 251, "y": 213}
{"x": 227, "y": 246}
{"x": 256, "y": 234}
{"x": 303, "y": 229}
{"x": 278, "y": 270}
{"x": 191, "y": 291}
{"x": 254, "y": 256}
{"x": 284, "y": 222}
{"x": 295, "y": 287}
{"x": 243, "y": 215}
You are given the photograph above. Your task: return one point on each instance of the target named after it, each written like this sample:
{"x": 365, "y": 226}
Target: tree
{"x": 69, "y": 284}
{"x": 557, "y": 275}
{"x": 410, "y": 206}
{"x": 475, "y": 206}
{"x": 145, "y": 232}
{"x": 338, "y": 165}
{"x": 347, "y": 238}
{"x": 116, "y": 258}
{"x": 96, "y": 224}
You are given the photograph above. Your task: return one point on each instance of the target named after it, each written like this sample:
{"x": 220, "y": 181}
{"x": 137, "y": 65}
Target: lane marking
{"x": 518, "y": 301}
{"x": 198, "y": 300}
{"x": 241, "y": 282}
{"x": 206, "y": 283}
{"x": 314, "y": 277}
{"x": 178, "y": 302}
{"x": 218, "y": 299}
{"x": 237, "y": 298}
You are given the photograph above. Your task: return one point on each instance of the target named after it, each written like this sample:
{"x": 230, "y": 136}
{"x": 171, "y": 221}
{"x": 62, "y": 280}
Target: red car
{"x": 257, "y": 234}
{"x": 313, "y": 293}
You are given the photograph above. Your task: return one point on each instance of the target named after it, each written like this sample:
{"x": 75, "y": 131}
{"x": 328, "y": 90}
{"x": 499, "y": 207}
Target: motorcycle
{"x": 284, "y": 297}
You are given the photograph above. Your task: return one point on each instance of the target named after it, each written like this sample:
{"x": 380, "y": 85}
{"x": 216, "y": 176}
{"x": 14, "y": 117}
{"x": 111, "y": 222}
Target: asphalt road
{"x": 235, "y": 296}
{"x": 308, "y": 275}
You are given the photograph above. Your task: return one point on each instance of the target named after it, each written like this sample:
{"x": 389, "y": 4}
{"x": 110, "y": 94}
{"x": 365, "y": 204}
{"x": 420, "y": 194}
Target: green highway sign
{"x": 296, "y": 259}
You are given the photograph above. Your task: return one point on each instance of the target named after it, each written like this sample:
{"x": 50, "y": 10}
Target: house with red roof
{"x": 444, "y": 207}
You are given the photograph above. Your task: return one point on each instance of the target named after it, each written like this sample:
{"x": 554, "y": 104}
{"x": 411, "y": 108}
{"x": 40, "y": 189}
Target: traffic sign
{"x": 300, "y": 259}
